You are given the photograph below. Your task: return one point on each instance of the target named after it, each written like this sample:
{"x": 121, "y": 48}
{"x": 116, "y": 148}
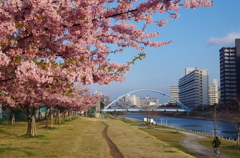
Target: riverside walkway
{"x": 191, "y": 142}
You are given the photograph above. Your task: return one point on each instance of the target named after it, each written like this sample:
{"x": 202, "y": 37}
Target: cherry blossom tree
{"x": 78, "y": 100}
{"x": 36, "y": 34}
{"x": 61, "y": 96}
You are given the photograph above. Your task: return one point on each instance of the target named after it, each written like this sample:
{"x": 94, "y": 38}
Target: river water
{"x": 223, "y": 129}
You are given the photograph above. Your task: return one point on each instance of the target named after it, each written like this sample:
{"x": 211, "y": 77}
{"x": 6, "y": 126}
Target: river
{"x": 223, "y": 129}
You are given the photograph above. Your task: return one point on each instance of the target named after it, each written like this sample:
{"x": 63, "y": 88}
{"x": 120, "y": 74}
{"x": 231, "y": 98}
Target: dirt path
{"x": 113, "y": 148}
{"x": 192, "y": 142}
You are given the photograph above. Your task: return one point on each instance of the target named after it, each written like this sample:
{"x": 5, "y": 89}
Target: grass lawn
{"x": 170, "y": 137}
{"x": 133, "y": 142}
{"x": 77, "y": 138}
{"x": 82, "y": 138}
{"x": 173, "y": 139}
{"x": 228, "y": 147}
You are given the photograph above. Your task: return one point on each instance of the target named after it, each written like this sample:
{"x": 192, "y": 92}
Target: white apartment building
{"x": 213, "y": 92}
{"x": 133, "y": 99}
{"x": 193, "y": 88}
{"x": 174, "y": 92}
{"x": 129, "y": 100}
{"x": 147, "y": 101}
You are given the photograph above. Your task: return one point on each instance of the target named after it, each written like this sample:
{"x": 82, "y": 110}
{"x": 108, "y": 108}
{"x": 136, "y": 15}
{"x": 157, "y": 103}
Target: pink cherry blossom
{"x": 162, "y": 22}
{"x": 49, "y": 49}
{"x": 174, "y": 16}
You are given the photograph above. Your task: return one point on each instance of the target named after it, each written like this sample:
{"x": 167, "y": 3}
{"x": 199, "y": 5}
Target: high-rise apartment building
{"x": 174, "y": 92}
{"x": 193, "y": 88}
{"x": 213, "y": 92}
{"x": 230, "y": 73}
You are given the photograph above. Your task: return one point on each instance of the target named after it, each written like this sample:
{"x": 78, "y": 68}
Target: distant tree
{"x": 122, "y": 114}
{"x": 149, "y": 113}
{"x": 216, "y": 117}
{"x": 231, "y": 113}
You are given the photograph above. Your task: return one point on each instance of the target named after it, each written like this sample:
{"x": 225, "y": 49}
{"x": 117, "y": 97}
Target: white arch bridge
{"x": 182, "y": 109}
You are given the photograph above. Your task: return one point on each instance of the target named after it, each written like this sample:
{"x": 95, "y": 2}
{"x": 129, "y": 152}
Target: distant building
{"x": 127, "y": 101}
{"x": 96, "y": 92}
{"x": 98, "y": 104}
{"x": 123, "y": 103}
{"x": 193, "y": 88}
{"x": 136, "y": 102}
{"x": 174, "y": 92}
{"x": 230, "y": 73}
{"x": 105, "y": 100}
{"x": 133, "y": 99}
{"x": 147, "y": 101}
{"x": 213, "y": 92}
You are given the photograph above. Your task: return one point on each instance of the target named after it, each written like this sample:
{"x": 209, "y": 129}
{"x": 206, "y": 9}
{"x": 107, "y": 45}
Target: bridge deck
{"x": 137, "y": 110}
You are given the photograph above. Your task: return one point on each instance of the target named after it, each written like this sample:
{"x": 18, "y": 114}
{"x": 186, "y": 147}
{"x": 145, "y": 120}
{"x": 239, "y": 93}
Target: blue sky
{"x": 197, "y": 36}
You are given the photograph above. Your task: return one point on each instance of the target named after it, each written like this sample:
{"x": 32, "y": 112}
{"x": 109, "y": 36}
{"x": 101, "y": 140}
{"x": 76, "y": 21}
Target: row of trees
{"x": 50, "y": 50}
{"x": 228, "y": 112}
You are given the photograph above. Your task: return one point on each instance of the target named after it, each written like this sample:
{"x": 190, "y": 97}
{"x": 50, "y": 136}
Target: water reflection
{"x": 223, "y": 129}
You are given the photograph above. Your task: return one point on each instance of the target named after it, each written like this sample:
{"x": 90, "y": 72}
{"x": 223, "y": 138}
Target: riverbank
{"x": 201, "y": 115}
{"x": 192, "y": 141}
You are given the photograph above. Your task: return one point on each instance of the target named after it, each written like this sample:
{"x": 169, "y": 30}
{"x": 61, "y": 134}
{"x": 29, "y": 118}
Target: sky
{"x": 197, "y": 36}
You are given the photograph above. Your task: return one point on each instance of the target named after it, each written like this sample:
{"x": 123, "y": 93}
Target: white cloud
{"x": 229, "y": 39}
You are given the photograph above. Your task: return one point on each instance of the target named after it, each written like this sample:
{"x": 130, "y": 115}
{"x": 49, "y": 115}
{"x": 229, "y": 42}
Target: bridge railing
{"x": 178, "y": 102}
{"x": 139, "y": 110}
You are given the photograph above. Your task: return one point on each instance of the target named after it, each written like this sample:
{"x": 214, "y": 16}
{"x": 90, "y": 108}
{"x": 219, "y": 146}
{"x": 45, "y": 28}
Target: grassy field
{"x": 173, "y": 138}
{"x": 77, "y": 138}
{"x": 132, "y": 142}
{"x": 82, "y": 137}
{"x": 228, "y": 147}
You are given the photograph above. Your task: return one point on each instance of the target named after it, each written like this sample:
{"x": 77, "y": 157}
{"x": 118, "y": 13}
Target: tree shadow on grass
{"x": 5, "y": 149}
{"x": 7, "y": 134}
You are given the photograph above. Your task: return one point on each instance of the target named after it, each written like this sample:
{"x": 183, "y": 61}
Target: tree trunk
{"x": 58, "y": 117}
{"x": 49, "y": 117}
{"x": 215, "y": 120}
{"x": 69, "y": 115}
{"x": 64, "y": 116}
{"x": 46, "y": 114}
{"x": 39, "y": 114}
{"x": 34, "y": 128}
{"x": 12, "y": 119}
{"x": 72, "y": 115}
{"x": 51, "y": 120}
{"x": 47, "y": 121}
{"x": 55, "y": 118}
{"x": 238, "y": 139}
{"x": 31, "y": 130}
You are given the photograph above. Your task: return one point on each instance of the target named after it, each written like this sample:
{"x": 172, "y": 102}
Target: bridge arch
{"x": 164, "y": 94}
